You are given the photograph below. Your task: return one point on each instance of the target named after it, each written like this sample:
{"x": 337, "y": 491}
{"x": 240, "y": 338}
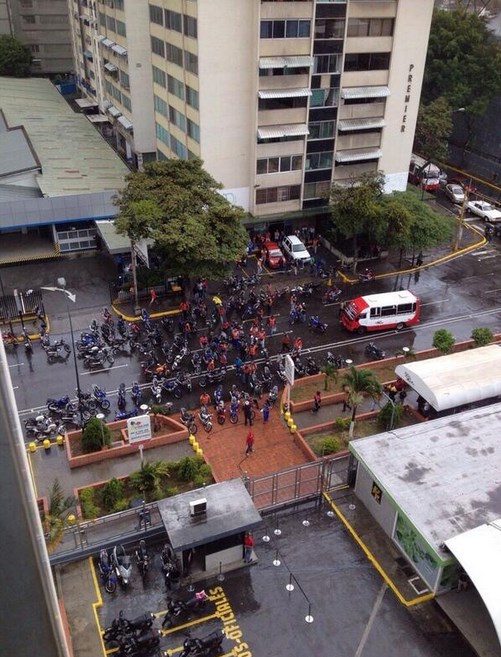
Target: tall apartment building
{"x": 280, "y": 98}
{"x": 43, "y": 25}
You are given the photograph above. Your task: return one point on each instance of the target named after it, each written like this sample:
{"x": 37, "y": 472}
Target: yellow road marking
{"x": 97, "y": 604}
{"x": 195, "y": 621}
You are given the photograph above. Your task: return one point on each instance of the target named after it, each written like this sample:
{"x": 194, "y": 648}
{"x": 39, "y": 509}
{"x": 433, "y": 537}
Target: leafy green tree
{"x": 195, "y": 229}
{"x": 443, "y": 340}
{"x": 111, "y": 493}
{"x": 358, "y": 383}
{"x": 482, "y": 336}
{"x": 356, "y": 211}
{"x": 148, "y": 478}
{"x": 15, "y": 57}
{"x": 463, "y": 62}
{"x": 390, "y": 415}
{"x": 433, "y": 128}
{"x": 55, "y": 519}
{"x": 331, "y": 373}
{"x": 96, "y": 434}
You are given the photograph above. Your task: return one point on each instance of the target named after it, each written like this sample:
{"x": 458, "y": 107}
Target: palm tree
{"x": 147, "y": 478}
{"x": 55, "y": 519}
{"x": 357, "y": 383}
{"x": 331, "y": 374}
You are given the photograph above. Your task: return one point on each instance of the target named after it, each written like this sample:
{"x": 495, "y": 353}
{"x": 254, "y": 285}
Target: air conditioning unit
{"x": 198, "y": 507}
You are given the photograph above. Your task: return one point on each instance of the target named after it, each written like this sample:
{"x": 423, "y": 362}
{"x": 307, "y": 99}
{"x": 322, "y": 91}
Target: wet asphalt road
{"x": 459, "y": 295}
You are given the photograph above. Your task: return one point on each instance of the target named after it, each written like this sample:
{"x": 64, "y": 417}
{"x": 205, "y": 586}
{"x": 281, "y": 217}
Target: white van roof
{"x": 294, "y": 239}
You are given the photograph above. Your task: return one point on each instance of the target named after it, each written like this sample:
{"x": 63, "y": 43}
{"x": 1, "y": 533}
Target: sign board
{"x": 141, "y": 251}
{"x": 289, "y": 369}
{"x": 139, "y": 428}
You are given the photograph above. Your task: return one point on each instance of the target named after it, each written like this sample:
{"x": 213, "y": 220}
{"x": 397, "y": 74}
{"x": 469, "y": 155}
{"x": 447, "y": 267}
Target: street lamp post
{"x": 392, "y": 409}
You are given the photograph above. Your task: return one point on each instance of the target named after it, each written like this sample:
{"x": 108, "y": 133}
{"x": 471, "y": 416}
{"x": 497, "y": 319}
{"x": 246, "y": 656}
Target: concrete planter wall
{"x": 170, "y": 432}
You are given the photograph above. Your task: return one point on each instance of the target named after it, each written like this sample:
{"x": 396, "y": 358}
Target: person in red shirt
{"x": 298, "y": 345}
{"x": 249, "y": 442}
{"x": 204, "y": 399}
{"x": 248, "y": 545}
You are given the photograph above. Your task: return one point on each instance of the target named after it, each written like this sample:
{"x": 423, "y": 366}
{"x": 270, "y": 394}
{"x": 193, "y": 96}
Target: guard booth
{"x": 206, "y": 526}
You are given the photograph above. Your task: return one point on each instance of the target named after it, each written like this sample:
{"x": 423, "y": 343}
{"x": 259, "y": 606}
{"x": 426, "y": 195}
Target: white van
{"x": 295, "y": 249}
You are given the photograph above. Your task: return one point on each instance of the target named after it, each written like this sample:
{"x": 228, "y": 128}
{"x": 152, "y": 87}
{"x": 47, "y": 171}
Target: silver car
{"x": 455, "y": 193}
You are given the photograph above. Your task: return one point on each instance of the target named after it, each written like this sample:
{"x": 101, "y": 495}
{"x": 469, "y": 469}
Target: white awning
{"x": 286, "y": 62}
{"x": 456, "y": 379}
{"x": 85, "y": 103}
{"x": 358, "y": 154}
{"x": 365, "y": 92}
{"x": 97, "y": 118}
{"x": 100, "y": 38}
{"x": 120, "y": 50}
{"x": 110, "y": 67}
{"x": 125, "y": 122}
{"x": 479, "y": 553}
{"x": 284, "y": 93}
{"x": 359, "y": 124}
{"x": 278, "y": 131}
{"x": 88, "y": 54}
{"x": 114, "y": 111}
{"x": 108, "y": 43}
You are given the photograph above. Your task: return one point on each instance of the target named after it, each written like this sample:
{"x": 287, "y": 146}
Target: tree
{"x": 148, "y": 478}
{"x": 355, "y": 209}
{"x": 15, "y": 57}
{"x": 331, "y": 374}
{"x": 95, "y": 436}
{"x": 433, "y": 128}
{"x": 357, "y": 383}
{"x": 196, "y": 231}
{"x": 443, "y": 340}
{"x": 463, "y": 63}
{"x": 56, "y": 518}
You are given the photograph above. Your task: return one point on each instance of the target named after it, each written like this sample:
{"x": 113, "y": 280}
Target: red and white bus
{"x": 377, "y": 312}
{"x": 425, "y": 174}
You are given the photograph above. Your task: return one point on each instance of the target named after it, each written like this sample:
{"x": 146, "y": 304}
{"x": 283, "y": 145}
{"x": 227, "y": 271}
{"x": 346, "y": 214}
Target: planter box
{"x": 171, "y": 431}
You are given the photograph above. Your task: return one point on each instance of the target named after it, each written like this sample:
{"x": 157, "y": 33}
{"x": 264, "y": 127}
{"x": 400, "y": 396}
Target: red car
{"x": 274, "y": 257}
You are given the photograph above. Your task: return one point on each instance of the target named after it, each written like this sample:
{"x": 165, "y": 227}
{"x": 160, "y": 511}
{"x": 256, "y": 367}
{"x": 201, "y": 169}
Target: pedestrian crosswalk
{"x": 486, "y": 253}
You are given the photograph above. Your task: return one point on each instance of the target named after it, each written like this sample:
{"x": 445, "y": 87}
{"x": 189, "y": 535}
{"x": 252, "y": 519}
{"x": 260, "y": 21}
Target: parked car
{"x": 295, "y": 249}
{"x": 455, "y": 193}
{"x": 485, "y": 210}
{"x": 274, "y": 258}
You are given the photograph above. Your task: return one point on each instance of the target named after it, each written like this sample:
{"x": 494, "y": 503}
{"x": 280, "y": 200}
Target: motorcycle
{"x": 107, "y": 572}
{"x": 331, "y": 296}
{"x": 316, "y": 325}
{"x": 205, "y": 418}
{"x": 215, "y": 376}
{"x": 123, "y": 630}
{"x": 179, "y": 358}
{"x": 61, "y": 405}
{"x": 140, "y": 645}
{"x": 188, "y": 419}
{"x": 374, "y": 352}
{"x": 221, "y": 413}
{"x": 170, "y": 567}
{"x": 311, "y": 367}
{"x": 122, "y": 564}
{"x": 156, "y": 390}
{"x": 58, "y": 349}
{"x": 99, "y": 358}
{"x": 297, "y": 316}
{"x": 366, "y": 276}
{"x": 100, "y": 397}
{"x": 171, "y": 386}
{"x": 338, "y": 361}
{"x": 178, "y": 610}
{"x": 183, "y": 380}
{"x": 121, "y": 399}
{"x": 28, "y": 346}
{"x": 273, "y": 396}
{"x": 135, "y": 393}
{"x": 125, "y": 415}
{"x": 9, "y": 339}
{"x": 43, "y": 427}
{"x": 142, "y": 559}
{"x": 208, "y": 645}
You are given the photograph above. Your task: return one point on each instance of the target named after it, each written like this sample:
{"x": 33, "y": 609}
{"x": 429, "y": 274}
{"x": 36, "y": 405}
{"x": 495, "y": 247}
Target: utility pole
{"x": 458, "y": 235}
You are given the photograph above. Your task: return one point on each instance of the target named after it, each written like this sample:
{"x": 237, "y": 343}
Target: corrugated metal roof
{"x": 277, "y": 131}
{"x": 77, "y": 162}
{"x": 365, "y": 92}
{"x": 284, "y": 93}
{"x": 125, "y": 122}
{"x": 15, "y": 153}
{"x": 360, "y": 124}
{"x": 108, "y": 43}
{"x": 358, "y": 154}
{"x": 298, "y": 61}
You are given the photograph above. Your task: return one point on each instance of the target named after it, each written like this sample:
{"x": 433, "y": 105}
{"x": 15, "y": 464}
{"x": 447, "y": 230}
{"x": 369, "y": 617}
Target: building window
{"x": 324, "y": 97}
{"x": 160, "y": 106}
{"x": 156, "y": 15}
{"x": 365, "y": 101}
{"x": 327, "y": 64}
{"x": 126, "y": 102}
{"x": 279, "y": 164}
{"x": 34, "y": 47}
{"x": 282, "y": 103}
{"x": 121, "y": 28}
{"x": 111, "y": 24}
{"x": 190, "y": 26}
{"x": 124, "y": 79}
{"x": 175, "y": 87}
{"x": 290, "y": 29}
{"x": 178, "y": 148}
{"x": 278, "y": 194}
{"x": 119, "y": 4}
{"x": 191, "y": 62}
{"x": 173, "y": 54}
{"x": 193, "y": 131}
{"x": 364, "y": 27}
{"x": 192, "y": 97}
{"x": 29, "y": 20}
{"x": 162, "y": 134}
{"x": 108, "y": 86}
{"x": 173, "y": 20}
{"x": 177, "y": 118}
{"x": 269, "y": 72}
{"x": 316, "y": 190}
{"x": 321, "y": 129}
{"x": 102, "y": 19}
{"x": 367, "y": 61}
{"x": 159, "y": 76}
{"x": 157, "y": 46}
{"x": 161, "y": 156}
{"x": 329, "y": 28}
{"x": 318, "y": 161}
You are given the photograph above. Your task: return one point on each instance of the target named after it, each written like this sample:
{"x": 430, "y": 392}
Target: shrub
{"x": 342, "y": 423}
{"x": 188, "y": 467}
{"x": 111, "y": 492}
{"x": 121, "y": 505}
{"x": 89, "y": 508}
{"x": 169, "y": 491}
{"x": 390, "y": 415}
{"x": 443, "y": 340}
{"x": 328, "y": 445}
{"x": 95, "y": 435}
{"x": 481, "y": 336}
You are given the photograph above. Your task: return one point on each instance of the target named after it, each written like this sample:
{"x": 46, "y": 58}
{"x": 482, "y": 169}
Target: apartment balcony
{"x": 284, "y": 47}
{"x": 283, "y": 81}
{"x": 364, "y": 111}
{"x": 347, "y": 173}
{"x": 368, "y": 44}
{"x": 282, "y": 116}
{"x": 365, "y": 78}
{"x": 360, "y": 140}
{"x": 372, "y": 9}
{"x": 280, "y": 179}
{"x": 283, "y": 10}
